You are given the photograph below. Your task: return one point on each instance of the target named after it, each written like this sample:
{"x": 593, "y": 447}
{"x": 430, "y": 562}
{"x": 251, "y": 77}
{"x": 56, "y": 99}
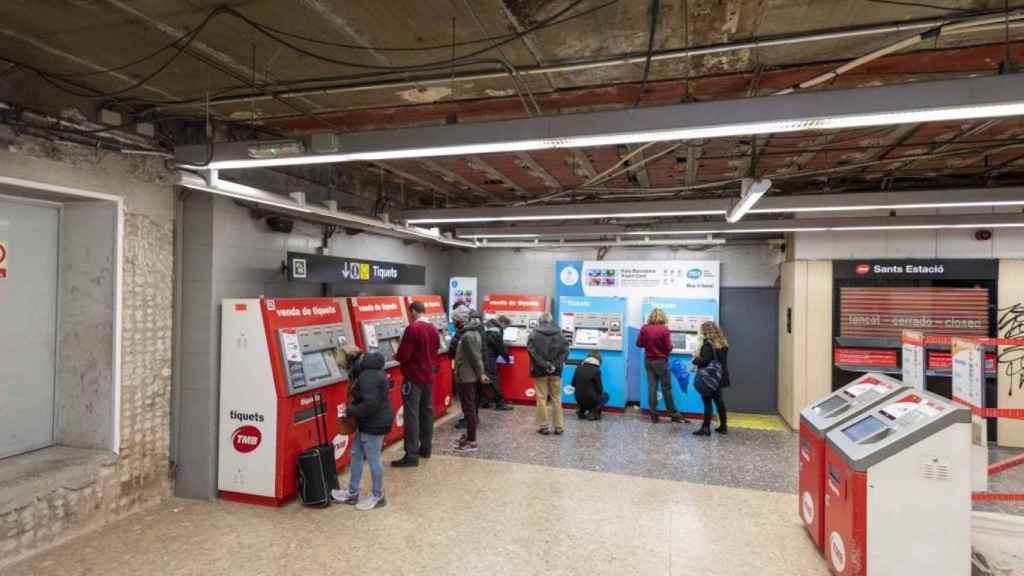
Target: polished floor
{"x": 588, "y": 502}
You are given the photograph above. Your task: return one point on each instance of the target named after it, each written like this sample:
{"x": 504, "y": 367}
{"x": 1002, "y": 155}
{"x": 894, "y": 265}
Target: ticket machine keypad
{"x": 520, "y": 325}
{"x": 384, "y": 336}
{"x": 684, "y": 331}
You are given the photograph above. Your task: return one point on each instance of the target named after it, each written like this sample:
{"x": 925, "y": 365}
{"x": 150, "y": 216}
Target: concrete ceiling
{"x": 230, "y": 57}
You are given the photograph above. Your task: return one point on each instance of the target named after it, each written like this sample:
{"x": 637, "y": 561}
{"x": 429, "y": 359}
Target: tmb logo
{"x": 246, "y": 439}
{"x": 694, "y": 273}
{"x": 863, "y": 269}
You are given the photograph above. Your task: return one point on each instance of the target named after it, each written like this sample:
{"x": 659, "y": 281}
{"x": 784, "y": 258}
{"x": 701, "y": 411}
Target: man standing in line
{"x": 494, "y": 348}
{"x": 469, "y": 374}
{"x": 418, "y": 356}
{"x": 548, "y": 351}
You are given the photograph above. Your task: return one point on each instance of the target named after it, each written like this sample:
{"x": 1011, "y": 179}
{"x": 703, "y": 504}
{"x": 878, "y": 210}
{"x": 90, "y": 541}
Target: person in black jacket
{"x": 590, "y": 394}
{"x": 494, "y": 348}
{"x": 369, "y": 404}
{"x": 714, "y": 347}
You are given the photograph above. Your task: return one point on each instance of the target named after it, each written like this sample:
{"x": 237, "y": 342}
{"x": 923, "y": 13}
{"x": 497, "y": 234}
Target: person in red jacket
{"x": 417, "y": 355}
{"x": 656, "y": 341}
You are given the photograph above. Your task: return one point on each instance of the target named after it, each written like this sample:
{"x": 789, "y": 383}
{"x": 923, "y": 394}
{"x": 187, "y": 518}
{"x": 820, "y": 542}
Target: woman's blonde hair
{"x": 345, "y": 355}
{"x": 713, "y": 333}
{"x": 657, "y": 316}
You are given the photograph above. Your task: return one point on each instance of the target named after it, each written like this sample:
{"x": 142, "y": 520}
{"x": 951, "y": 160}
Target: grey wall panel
{"x": 85, "y": 383}
{"x": 750, "y": 319}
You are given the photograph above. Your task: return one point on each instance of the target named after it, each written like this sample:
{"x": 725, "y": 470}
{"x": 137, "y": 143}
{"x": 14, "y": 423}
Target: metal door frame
{"x": 118, "y": 202}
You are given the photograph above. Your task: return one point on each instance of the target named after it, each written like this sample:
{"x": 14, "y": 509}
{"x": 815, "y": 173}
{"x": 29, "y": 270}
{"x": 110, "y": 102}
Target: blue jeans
{"x": 368, "y": 445}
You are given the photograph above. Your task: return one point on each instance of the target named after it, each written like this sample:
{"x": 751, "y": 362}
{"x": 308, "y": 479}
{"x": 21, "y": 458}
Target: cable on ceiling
{"x": 655, "y": 9}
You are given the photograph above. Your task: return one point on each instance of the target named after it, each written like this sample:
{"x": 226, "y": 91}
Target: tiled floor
{"x": 463, "y": 516}
{"x": 630, "y": 444}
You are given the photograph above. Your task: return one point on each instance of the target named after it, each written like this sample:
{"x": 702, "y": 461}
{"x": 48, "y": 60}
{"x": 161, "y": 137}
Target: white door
{"x": 28, "y": 320}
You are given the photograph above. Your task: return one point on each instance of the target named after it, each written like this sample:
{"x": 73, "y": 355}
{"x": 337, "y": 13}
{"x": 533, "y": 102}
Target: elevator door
{"x": 28, "y": 319}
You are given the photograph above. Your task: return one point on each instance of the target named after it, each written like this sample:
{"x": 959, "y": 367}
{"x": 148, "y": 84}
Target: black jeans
{"x": 418, "y": 405}
{"x": 719, "y": 404}
{"x": 467, "y": 394}
{"x": 657, "y": 372}
{"x": 583, "y": 408}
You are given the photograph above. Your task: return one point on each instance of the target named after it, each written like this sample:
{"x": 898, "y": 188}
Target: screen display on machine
{"x": 831, "y": 405}
{"x": 588, "y": 337}
{"x": 863, "y": 428}
{"x": 314, "y": 365}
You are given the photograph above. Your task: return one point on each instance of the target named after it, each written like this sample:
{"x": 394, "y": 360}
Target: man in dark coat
{"x": 494, "y": 348}
{"x": 590, "y": 394}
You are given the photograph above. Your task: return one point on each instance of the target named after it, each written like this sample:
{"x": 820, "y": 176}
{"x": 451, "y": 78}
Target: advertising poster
{"x": 968, "y": 372}
{"x": 462, "y": 290}
{"x": 913, "y": 359}
{"x": 636, "y": 280}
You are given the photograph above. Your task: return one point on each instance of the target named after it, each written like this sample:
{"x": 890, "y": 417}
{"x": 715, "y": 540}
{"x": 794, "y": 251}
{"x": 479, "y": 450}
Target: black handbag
{"x": 708, "y": 380}
{"x": 317, "y": 474}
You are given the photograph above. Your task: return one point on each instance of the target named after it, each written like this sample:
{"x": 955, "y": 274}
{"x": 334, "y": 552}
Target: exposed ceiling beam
{"x": 413, "y": 178}
{"x": 967, "y": 197}
{"x": 478, "y": 164}
{"x": 693, "y": 153}
{"x": 537, "y": 171}
{"x": 762, "y": 226}
{"x": 635, "y": 164}
{"x": 902, "y": 104}
{"x": 580, "y": 162}
{"x": 449, "y": 176}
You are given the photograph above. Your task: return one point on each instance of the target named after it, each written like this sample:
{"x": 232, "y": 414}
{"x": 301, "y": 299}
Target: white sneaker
{"x": 372, "y": 502}
{"x": 343, "y": 497}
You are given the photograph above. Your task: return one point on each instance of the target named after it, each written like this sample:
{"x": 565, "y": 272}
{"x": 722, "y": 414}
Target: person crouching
{"x": 369, "y": 404}
{"x": 590, "y": 394}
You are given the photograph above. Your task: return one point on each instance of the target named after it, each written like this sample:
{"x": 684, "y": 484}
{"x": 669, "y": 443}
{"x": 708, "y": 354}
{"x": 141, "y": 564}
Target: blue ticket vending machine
{"x": 684, "y": 320}
{"x": 591, "y": 323}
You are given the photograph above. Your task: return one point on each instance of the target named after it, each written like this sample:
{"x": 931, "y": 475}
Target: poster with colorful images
{"x": 695, "y": 283}
{"x": 462, "y": 291}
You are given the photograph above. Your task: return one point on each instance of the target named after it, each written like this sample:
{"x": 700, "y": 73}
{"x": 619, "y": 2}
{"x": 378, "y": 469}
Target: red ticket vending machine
{"x": 819, "y": 419}
{"x": 898, "y": 495}
{"x": 443, "y": 377}
{"x": 523, "y": 312}
{"x": 279, "y": 383}
{"x": 378, "y": 323}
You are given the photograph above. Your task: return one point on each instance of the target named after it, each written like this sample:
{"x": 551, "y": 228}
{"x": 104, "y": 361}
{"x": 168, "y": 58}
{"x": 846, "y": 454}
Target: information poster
{"x": 462, "y": 290}
{"x": 968, "y": 373}
{"x": 913, "y": 359}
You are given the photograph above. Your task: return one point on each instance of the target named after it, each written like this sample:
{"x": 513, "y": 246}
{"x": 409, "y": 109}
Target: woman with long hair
{"x": 656, "y": 341}
{"x": 714, "y": 346}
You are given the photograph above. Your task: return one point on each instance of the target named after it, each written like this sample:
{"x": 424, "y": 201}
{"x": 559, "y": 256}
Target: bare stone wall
{"x": 103, "y": 487}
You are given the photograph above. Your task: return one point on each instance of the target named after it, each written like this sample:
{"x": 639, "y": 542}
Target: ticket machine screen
{"x": 519, "y": 328}
{"x": 593, "y": 330}
{"x": 684, "y": 330}
{"x": 831, "y": 405}
{"x": 864, "y": 428}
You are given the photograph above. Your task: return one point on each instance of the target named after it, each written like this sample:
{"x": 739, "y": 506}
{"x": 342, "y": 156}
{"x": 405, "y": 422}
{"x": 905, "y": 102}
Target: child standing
{"x": 368, "y": 403}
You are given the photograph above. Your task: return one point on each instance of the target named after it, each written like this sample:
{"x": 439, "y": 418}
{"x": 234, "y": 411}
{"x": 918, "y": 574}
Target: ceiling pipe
{"x": 616, "y": 243}
{"x": 579, "y": 66}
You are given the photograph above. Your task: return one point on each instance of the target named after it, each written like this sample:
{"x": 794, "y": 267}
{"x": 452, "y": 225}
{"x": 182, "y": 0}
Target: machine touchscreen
{"x": 315, "y": 366}
{"x": 831, "y": 405}
{"x": 864, "y": 428}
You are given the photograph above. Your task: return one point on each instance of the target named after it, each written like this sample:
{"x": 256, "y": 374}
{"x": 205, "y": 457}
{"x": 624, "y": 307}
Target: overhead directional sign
{"x": 335, "y": 270}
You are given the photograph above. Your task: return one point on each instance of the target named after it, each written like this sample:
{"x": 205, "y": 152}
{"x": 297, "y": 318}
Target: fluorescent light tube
{"x": 866, "y": 207}
{"x": 833, "y": 122}
{"x": 584, "y": 216}
{"x": 751, "y": 191}
{"x": 483, "y": 236}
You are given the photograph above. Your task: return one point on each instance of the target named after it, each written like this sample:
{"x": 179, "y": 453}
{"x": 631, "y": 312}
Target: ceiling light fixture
{"x": 580, "y": 216}
{"x": 751, "y": 190}
{"x": 911, "y": 103}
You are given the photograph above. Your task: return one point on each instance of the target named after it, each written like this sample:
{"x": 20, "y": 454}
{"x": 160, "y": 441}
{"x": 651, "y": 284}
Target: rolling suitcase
{"x": 317, "y": 472}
